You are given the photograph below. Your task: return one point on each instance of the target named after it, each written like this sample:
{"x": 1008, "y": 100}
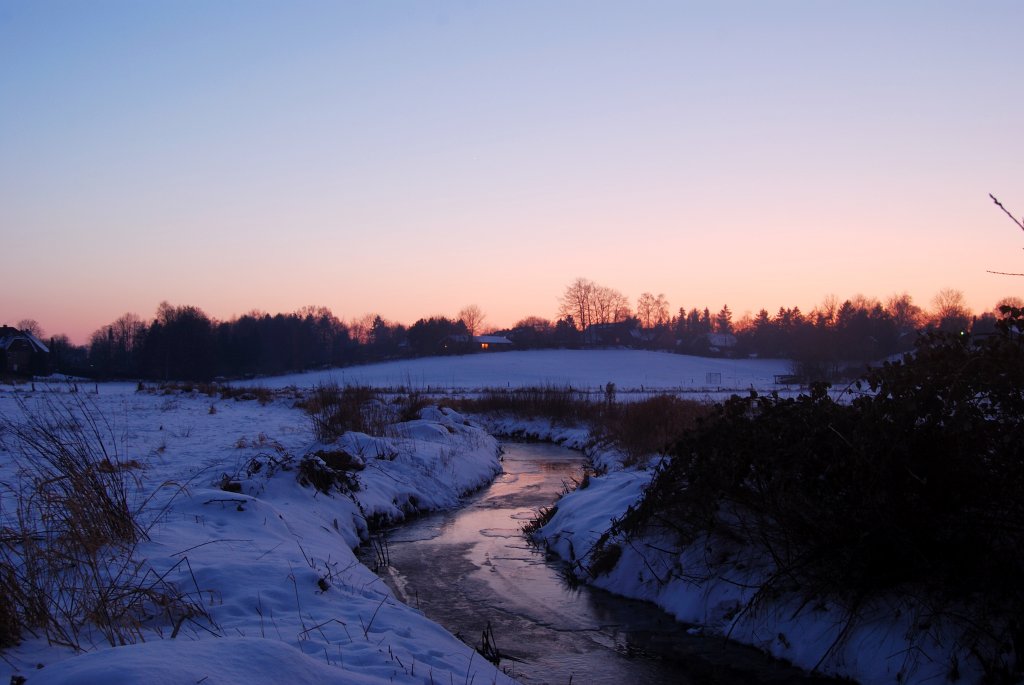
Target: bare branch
{"x": 1012, "y": 218}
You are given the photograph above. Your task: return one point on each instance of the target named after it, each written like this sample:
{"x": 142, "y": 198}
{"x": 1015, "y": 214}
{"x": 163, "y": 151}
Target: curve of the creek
{"x": 472, "y": 568}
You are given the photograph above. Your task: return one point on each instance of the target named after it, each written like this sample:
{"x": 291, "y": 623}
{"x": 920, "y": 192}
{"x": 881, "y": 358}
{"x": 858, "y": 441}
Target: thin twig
{"x": 366, "y": 631}
{"x": 210, "y": 542}
{"x": 1012, "y": 217}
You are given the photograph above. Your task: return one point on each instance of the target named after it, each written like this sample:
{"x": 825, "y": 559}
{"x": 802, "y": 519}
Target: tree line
{"x": 824, "y": 342}
{"x": 183, "y": 342}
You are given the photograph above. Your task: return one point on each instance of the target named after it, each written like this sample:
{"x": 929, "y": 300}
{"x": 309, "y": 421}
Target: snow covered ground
{"x": 272, "y": 564}
{"x": 629, "y": 370}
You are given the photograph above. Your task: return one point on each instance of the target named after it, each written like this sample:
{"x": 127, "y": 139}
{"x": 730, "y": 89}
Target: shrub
{"x": 639, "y": 428}
{"x": 335, "y": 410}
{"x": 561, "y": 404}
{"x": 912, "y": 488}
{"x": 650, "y": 426}
{"x": 326, "y": 470}
{"x": 70, "y": 454}
{"x": 410, "y": 405}
{"x": 246, "y": 393}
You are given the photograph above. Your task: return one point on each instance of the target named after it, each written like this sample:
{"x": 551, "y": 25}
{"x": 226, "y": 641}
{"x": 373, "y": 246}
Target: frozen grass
{"x": 638, "y": 428}
{"x": 67, "y": 548}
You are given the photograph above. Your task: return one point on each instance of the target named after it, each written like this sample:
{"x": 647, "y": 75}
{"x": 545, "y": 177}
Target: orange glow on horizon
{"x": 382, "y": 160}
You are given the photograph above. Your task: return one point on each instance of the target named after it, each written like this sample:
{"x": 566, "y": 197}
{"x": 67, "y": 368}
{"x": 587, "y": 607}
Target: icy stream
{"x": 471, "y": 568}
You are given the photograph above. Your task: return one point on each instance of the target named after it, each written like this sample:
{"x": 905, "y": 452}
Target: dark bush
{"x": 604, "y": 558}
{"x": 650, "y": 426}
{"x": 912, "y": 488}
{"x": 561, "y": 404}
{"x": 338, "y": 474}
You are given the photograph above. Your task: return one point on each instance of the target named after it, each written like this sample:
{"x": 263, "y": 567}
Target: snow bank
{"x": 270, "y": 561}
{"x": 543, "y": 430}
{"x": 228, "y": 660}
{"x": 885, "y": 644}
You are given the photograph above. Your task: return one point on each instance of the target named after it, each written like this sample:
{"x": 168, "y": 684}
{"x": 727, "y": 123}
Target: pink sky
{"x": 412, "y": 159}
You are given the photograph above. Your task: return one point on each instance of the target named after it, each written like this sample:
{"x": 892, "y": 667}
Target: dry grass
{"x": 638, "y": 428}
{"x": 334, "y": 410}
{"x": 561, "y": 404}
{"x": 650, "y": 426}
{"x": 68, "y": 532}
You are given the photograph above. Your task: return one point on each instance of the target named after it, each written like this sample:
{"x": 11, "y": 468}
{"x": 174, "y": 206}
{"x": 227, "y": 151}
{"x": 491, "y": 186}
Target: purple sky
{"x": 412, "y": 158}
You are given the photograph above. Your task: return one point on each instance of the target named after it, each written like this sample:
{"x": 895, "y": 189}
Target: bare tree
{"x": 949, "y": 302}
{"x": 359, "y": 329}
{"x": 473, "y": 318}
{"x": 827, "y": 310}
{"x": 589, "y": 303}
{"x": 907, "y": 315}
{"x": 652, "y": 311}
{"x": 578, "y": 302}
{"x": 537, "y": 323}
{"x": 663, "y": 317}
{"x": 128, "y": 330}
{"x": 610, "y": 305}
{"x": 951, "y": 312}
{"x": 1009, "y": 301}
{"x": 31, "y": 326}
{"x": 868, "y": 304}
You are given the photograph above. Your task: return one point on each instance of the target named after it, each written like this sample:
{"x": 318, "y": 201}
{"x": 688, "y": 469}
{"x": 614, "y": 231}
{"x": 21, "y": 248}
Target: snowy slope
{"x": 583, "y": 369}
{"x": 886, "y": 644}
{"x": 272, "y": 564}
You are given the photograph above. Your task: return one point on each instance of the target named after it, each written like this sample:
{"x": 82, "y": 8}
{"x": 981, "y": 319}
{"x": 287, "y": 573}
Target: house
{"x": 618, "y": 334}
{"x": 21, "y": 353}
{"x": 721, "y": 343}
{"x": 456, "y": 343}
{"x": 492, "y": 343}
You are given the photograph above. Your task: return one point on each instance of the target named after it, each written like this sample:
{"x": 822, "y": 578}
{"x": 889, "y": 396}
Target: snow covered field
{"x": 581, "y": 369}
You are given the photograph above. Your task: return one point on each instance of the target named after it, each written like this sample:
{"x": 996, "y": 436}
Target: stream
{"x": 472, "y": 571}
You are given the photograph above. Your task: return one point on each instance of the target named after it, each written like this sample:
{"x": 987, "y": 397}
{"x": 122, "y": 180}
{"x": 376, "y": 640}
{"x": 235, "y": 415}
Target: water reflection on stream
{"x": 472, "y": 567}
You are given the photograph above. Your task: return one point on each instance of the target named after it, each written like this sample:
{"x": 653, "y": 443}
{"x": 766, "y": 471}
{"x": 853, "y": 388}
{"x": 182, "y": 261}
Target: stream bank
{"x": 472, "y": 571}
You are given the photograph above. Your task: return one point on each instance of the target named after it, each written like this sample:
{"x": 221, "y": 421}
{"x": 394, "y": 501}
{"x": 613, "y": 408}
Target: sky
{"x": 411, "y": 158}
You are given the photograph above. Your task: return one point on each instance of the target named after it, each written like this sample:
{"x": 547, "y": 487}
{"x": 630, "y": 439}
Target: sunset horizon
{"x": 491, "y": 321}
{"x": 408, "y": 161}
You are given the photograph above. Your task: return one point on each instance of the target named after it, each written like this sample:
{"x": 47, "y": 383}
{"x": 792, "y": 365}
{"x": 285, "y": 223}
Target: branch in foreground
{"x": 1012, "y": 218}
